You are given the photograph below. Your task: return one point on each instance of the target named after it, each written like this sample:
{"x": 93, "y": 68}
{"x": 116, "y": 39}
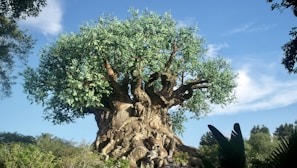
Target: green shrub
{"x": 181, "y": 158}
{"x": 82, "y": 158}
{"x": 25, "y": 155}
{"x": 120, "y": 163}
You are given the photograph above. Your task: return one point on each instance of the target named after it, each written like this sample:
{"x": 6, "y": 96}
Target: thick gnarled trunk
{"x": 142, "y": 135}
{"x": 135, "y": 123}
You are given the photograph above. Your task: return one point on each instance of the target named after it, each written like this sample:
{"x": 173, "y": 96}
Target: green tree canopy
{"x": 285, "y": 130}
{"x": 260, "y": 145}
{"x": 257, "y": 129}
{"x": 146, "y": 53}
{"x": 208, "y": 139}
{"x": 7, "y": 137}
{"x": 14, "y": 43}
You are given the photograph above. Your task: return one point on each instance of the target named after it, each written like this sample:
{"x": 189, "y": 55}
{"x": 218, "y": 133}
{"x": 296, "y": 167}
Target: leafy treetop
{"x": 145, "y": 52}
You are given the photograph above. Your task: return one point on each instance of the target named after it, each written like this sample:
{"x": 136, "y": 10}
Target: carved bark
{"x": 129, "y": 131}
{"x": 135, "y": 123}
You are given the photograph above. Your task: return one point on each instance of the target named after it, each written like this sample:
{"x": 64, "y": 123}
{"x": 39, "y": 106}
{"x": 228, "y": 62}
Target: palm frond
{"x": 285, "y": 155}
{"x": 221, "y": 139}
{"x": 232, "y": 151}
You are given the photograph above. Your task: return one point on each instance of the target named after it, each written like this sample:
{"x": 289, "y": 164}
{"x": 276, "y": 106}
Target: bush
{"x": 48, "y": 151}
{"x": 82, "y": 158}
{"x": 120, "y": 163}
{"x": 25, "y": 155}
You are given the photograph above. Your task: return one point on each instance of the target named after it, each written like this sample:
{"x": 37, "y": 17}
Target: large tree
{"x": 290, "y": 48}
{"x": 14, "y": 43}
{"x": 129, "y": 73}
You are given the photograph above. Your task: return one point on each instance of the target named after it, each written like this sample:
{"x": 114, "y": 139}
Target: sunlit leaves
{"x": 73, "y": 74}
{"x": 219, "y": 89}
{"x": 25, "y": 155}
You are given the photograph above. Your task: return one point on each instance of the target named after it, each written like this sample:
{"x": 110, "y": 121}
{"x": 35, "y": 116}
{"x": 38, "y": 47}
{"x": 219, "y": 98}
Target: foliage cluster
{"x": 181, "y": 158}
{"x": 116, "y": 59}
{"x": 51, "y": 152}
{"x": 29, "y": 155}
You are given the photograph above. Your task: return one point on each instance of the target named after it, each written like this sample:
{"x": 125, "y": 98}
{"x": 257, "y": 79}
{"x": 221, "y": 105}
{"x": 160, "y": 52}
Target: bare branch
{"x": 115, "y": 84}
{"x": 185, "y": 92}
{"x": 110, "y": 72}
{"x": 169, "y": 62}
{"x": 168, "y": 82}
{"x": 152, "y": 79}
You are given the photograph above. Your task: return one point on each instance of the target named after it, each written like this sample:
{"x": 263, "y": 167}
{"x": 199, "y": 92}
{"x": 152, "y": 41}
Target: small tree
{"x": 129, "y": 73}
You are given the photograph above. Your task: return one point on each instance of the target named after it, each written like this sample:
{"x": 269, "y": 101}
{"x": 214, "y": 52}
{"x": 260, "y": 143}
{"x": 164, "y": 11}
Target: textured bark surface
{"x": 142, "y": 135}
{"x": 135, "y": 123}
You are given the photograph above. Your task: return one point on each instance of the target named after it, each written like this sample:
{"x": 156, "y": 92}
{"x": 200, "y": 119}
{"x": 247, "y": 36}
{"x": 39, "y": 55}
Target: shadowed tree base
{"x": 145, "y": 140}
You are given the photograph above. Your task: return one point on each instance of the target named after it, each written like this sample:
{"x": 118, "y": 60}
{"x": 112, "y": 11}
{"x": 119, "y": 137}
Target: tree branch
{"x": 125, "y": 83}
{"x": 110, "y": 72}
{"x": 169, "y": 62}
{"x": 168, "y": 82}
{"x": 152, "y": 79}
{"x": 113, "y": 80}
{"x": 185, "y": 92}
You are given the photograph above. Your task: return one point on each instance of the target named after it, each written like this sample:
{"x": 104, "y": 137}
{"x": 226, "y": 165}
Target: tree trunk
{"x": 142, "y": 135}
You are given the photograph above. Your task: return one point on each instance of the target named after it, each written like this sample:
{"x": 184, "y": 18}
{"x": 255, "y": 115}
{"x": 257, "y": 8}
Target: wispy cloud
{"x": 260, "y": 91}
{"x": 49, "y": 20}
{"x": 212, "y": 49}
{"x": 248, "y": 27}
{"x": 189, "y": 21}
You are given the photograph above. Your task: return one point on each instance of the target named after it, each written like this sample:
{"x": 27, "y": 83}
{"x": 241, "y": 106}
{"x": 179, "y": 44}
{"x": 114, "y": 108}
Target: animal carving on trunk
{"x": 139, "y": 110}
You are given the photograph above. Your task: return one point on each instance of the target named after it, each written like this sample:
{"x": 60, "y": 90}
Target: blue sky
{"x": 247, "y": 33}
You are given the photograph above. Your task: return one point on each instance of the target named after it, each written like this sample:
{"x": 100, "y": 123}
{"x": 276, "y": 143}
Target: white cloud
{"x": 49, "y": 20}
{"x": 242, "y": 28}
{"x": 260, "y": 92}
{"x": 189, "y": 21}
{"x": 249, "y": 27}
{"x": 212, "y": 49}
